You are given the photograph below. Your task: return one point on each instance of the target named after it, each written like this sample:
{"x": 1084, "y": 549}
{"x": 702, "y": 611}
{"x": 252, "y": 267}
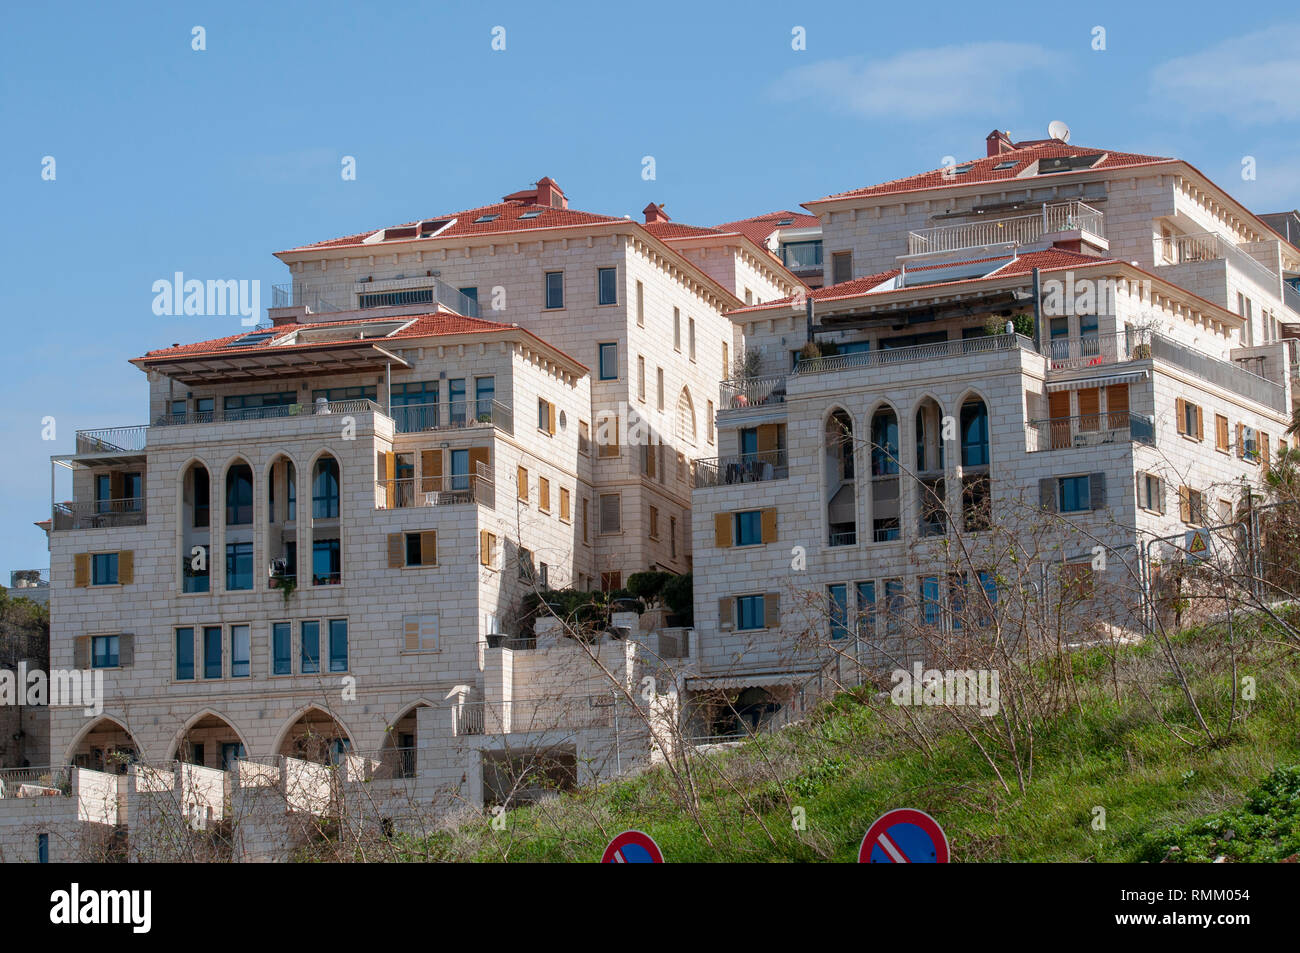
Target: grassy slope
{"x": 847, "y": 765}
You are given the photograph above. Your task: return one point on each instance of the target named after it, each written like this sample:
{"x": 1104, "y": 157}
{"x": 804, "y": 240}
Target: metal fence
{"x": 757, "y": 467}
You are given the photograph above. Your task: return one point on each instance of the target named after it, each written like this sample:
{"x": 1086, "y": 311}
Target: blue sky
{"x": 170, "y": 159}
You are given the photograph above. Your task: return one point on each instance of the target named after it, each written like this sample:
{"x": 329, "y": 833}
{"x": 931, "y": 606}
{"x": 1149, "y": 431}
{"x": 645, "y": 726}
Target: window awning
{"x": 1082, "y": 383}
{"x": 269, "y": 363}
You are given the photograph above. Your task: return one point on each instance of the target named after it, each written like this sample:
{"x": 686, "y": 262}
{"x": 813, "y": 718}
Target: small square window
{"x": 750, "y": 612}
{"x": 554, "y": 290}
{"x": 1075, "y": 496}
{"x": 607, "y": 281}
{"x": 103, "y": 569}
{"x": 104, "y": 651}
{"x": 749, "y": 528}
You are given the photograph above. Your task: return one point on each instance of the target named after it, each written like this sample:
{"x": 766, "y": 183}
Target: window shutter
{"x": 772, "y": 610}
{"x": 550, "y": 418}
{"x": 81, "y": 652}
{"x": 521, "y": 481}
{"x": 1241, "y": 443}
{"x": 477, "y": 455}
{"x": 396, "y": 550}
{"x": 767, "y": 440}
{"x": 126, "y": 567}
{"x": 485, "y": 540}
{"x": 412, "y": 634}
{"x": 1138, "y": 479}
{"x": 1047, "y": 494}
{"x": 81, "y": 570}
{"x": 1096, "y": 490}
{"x": 125, "y": 650}
{"x": 429, "y": 547}
{"x": 769, "y": 525}
{"x": 1181, "y": 412}
{"x": 1184, "y": 504}
{"x": 722, "y": 530}
{"x": 1200, "y": 422}
{"x": 1263, "y": 449}
{"x": 390, "y": 470}
{"x": 1160, "y": 496}
{"x": 565, "y": 504}
{"x": 543, "y": 494}
{"x": 724, "y": 611}
{"x": 431, "y": 469}
{"x": 115, "y": 485}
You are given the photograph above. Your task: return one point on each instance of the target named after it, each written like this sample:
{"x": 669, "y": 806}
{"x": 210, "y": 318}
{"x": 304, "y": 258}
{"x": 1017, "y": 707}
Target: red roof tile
{"x": 760, "y": 227}
{"x": 984, "y": 169}
{"x": 667, "y": 231}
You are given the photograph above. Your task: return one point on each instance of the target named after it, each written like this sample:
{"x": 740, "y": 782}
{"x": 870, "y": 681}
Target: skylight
{"x": 532, "y": 214}
{"x": 486, "y": 218}
{"x": 1006, "y": 165}
{"x": 963, "y": 169}
{"x": 786, "y": 221}
{"x": 257, "y": 337}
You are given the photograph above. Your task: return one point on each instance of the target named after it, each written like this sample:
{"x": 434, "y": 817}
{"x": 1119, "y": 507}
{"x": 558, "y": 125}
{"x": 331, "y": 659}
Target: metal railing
{"x": 95, "y": 514}
{"x": 295, "y": 296}
{"x": 844, "y": 538}
{"x": 42, "y": 781}
{"x": 1210, "y": 246}
{"x": 445, "y": 490}
{"x": 321, "y": 408}
{"x": 1291, "y": 297}
{"x": 113, "y": 439}
{"x": 1090, "y": 349}
{"x": 751, "y": 391}
{"x": 396, "y": 763}
{"x": 919, "y": 352}
{"x": 1018, "y": 229}
{"x": 425, "y": 289}
{"x": 745, "y": 468}
{"x": 1222, "y": 373}
{"x": 1091, "y": 430}
{"x": 454, "y": 415}
{"x": 802, "y": 256}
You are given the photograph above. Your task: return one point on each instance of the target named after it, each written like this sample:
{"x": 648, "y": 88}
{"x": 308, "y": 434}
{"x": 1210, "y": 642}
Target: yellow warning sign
{"x": 1198, "y": 546}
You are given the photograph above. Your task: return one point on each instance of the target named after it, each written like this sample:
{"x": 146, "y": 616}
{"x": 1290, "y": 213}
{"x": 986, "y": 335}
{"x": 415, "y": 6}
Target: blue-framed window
{"x": 460, "y": 470}
{"x": 884, "y": 443}
{"x": 185, "y": 654}
{"x": 239, "y": 566}
{"x": 338, "y": 634}
{"x": 607, "y": 279}
{"x": 866, "y": 592}
{"x": 974, "y": 434}
{"x": 415, "y": 406}
{"x": 256, "y": 406}
{"x": 103, "y": 569}
{"x": 42, "y": 848}
{"x": 326, "y": 562}
{"x": 1075, "y": 494}
{"x": 103, "y": 493}
{"x": 554, "y": 289}
{"x": 103, "y": 651}
{"x": 837, "y": 596}
{"x": 749, "y": 528}
{"x": 895, "y": 606}
{"x": 485, "y": 391}
{"x": 212, "y": 655}
{"x": 748, "y": 443}
{"x": 239, "y": 495}
{"x": 325, "y": 489}
{"x": 609, "y": 361}
{"x": 750, "y": 612}
{"x": 310, "y": 638}
{"x": 931, "y": 604}
{"x": 457, "y": 409}
{"x": 359, "y": 392}
{"x": 281, "y": 649}
{"x": 241, "y": 656}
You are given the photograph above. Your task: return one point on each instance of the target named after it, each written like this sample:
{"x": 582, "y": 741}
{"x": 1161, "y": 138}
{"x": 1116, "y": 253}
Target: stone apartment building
{"x": 1151, "y": 382}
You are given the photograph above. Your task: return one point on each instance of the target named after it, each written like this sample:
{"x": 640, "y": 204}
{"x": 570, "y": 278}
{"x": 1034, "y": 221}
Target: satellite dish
{"x": 1058, "y": 130}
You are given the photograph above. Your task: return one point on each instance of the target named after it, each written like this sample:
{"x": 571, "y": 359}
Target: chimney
{"x": 549, "y": 194}
{"x": 655, "y": 213}
{"x": 998, "y": 142}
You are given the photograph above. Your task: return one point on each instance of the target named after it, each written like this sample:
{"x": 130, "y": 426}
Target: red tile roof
{"x": 1047, "y": 260}
{"x": 760, "y": 227}
{"x": 508, "y": 219}
{"x": 437, "y": 324}
{"x": 983, "y": 169}
{"x": 667, "y": 231}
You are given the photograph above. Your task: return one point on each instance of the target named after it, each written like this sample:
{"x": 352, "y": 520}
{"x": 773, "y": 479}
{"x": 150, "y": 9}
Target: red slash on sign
{"x": 904, "y": 836}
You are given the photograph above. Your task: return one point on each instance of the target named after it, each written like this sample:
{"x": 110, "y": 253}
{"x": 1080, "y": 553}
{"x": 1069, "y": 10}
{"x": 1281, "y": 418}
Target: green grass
{"x": 1115, "y": 748}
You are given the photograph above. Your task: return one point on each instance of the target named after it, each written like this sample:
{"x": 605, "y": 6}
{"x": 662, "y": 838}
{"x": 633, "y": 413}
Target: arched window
{"x": 884, "y": 442}
{"x": 974, "y": 434}
{"x": 325, "y": 489}
{"x": 685, "y": 416}
{"x": 239, "y": 495}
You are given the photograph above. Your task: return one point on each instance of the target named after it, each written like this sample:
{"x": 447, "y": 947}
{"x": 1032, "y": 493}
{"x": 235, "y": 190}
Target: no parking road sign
{"x": 904, "y": 836}
{"x": 632, "y": 847}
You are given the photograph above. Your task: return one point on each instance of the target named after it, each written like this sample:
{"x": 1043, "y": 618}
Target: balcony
{"x": 533, "y": 714}
{"x": 1221, "y": 373}
{"x": 99, "y": 514}
{"x": 1090, "y": 430}
{"x": 385, "y": 293}
{"x": 1093, "y": 349}
{"x": 320, "y": 409}
{"x": 455, "y": 415}
{"x": 758, "y": 467}
{"x": 744, "y": 392}
{"x": 1017, "y": 230}
{"x": 1210, "y": 246}
{"x": 920, "y": 352}
{"x": 449, "y": 490}
{"x": 112, "y": 441}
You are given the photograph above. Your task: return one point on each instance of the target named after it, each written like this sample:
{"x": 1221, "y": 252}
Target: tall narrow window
{"x": 338, "y": 632}
{"x": 281, "y": 649}
{"x": 325, "y": 489}
{"x": 607, "y": 282}
{"x": 212, "y": 661}
{"x": 239, "y": 566}
{"x": 185, "y": 655}
{"x": 240, "y": 652}
{"x": 554, "y": 289}
{"x": 239, "y": 495}
{"x": 310, "y": 663}
{"x": 609, "y": 361}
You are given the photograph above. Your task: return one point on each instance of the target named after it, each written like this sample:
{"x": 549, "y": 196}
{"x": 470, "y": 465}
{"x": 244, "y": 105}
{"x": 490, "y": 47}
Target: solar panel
{"x": 257, "y": 337}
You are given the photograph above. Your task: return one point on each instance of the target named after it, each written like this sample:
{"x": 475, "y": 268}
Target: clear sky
{"x": 168, "y": 158}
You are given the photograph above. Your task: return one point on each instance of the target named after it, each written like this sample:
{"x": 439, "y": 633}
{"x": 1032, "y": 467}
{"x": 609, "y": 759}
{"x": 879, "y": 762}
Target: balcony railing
{"x": 319, "y": 409}
{"x": 1210, "y": 246}
{"x": 1222, "y": 373}
{"x": 446, "y": 490}
{"x": 113, "y": 440}
{"x": 919, "y": 352}
{"x": 95, "y": 514}
{"x": 1091, "y": 430}
{"x": 45, "y": 781}
{"x": 751, "y": 391}
{"x": 1019, "y": 229}
{"x": 424, "y": 290}
{"x": 455, "y": 415}
{"x": 746, "y": 468}
{"x": 1092, "y": 349}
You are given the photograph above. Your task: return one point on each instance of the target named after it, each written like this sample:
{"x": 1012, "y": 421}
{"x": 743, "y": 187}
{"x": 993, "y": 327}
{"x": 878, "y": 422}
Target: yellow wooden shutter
{"x": 390, "y": 471}
{"x": 81, "y": 570}
{"x": 771, "y": 610}
{"x": 1241, "y": 443}
{"x": 396, "y": 550}
{"x": 1200, "y": 422}
{"x": 521, "y": 479}
{"x": 724, "y": 611}
{"x": 769, "y": 525}
{"x": 431, "y": 469}
{"x": 1089, "y": 407}
{"x": 544, "y": 494}
{"x": 1180, "y": 411}
{"x": 81, "y": 652}
{"x": 429, "y": 547}
{"x": 564, "y": 504}
{"x": 722, "y": 530}
{"x": 1184, "y": 504}
{"x": 485, "y": 548}
{"x": 412, "y": 633}
{"x": 550, "y": 418}
{"x": 126, "y": 567}
{"x": 115, "y": 490}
